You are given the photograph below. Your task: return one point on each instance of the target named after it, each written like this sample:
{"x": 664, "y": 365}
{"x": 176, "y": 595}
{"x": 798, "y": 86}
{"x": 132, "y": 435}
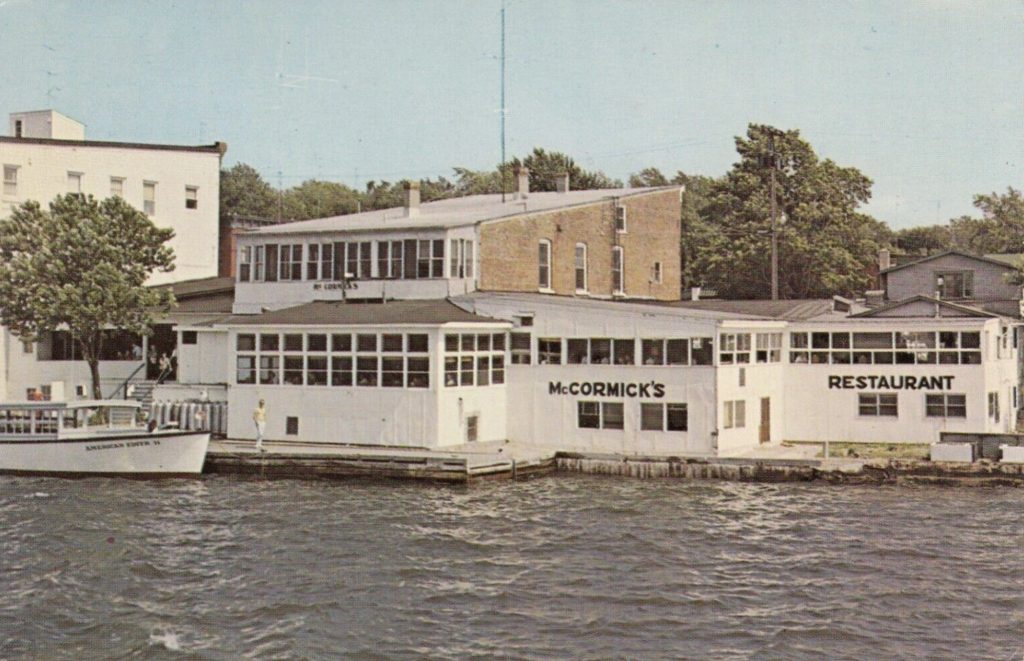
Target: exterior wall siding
{"x": 989, "y": 279}
{"x": 508, "y": 248}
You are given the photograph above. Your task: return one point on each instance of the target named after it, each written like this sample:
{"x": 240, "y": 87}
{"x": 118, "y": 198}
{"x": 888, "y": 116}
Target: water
{"x": 562, "y": 567}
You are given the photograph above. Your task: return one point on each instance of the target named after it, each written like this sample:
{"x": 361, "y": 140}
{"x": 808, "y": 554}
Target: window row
{"x": 612, "y": 351}
{"x": 470, "y": 342}
{"x": 117, "y": 345}
{"x": 654, "y": 416}
{"x": 117, "y": 187}
{"x": 405, "y": 259}
{"x": 338, "y": 342}
{"x": 581, "y": 268}
{"x": 366, "y": 371}
{"x": 474, "y": 370}
{"x": 736, "y": 348}
{"x": 887, "y": 348}
{"x": 940, "y": 405}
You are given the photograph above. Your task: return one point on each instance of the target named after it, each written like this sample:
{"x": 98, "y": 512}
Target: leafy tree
{"x": 825, "y": 246}
{"x": 545, "y": 166}
{"x": 243, "y": 192}
{"x": 1000, "y": 228}
{"x": 647, "y": 178}
{"x": 82, "y": 265}
{"x": 924, "y": 240}
{"x": 319, "y": 199}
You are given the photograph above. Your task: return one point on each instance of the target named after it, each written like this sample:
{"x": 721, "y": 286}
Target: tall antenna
{"x": 501, "y": 173}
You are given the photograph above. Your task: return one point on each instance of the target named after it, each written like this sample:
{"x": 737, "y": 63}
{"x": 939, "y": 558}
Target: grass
{"x": 870, "y": 450}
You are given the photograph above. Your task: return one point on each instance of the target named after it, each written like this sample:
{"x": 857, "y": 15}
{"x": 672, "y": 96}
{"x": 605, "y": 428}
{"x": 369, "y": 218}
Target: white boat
{"x": 94, "y": 437}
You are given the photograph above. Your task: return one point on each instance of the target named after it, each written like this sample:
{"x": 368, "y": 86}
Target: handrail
{"x": 124, "y": 385}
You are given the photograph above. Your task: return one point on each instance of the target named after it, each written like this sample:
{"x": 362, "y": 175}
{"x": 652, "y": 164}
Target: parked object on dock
{"x": 94, "y": 437}
{"x": 961, "y": 452}
{"x": 1011, "y": 454}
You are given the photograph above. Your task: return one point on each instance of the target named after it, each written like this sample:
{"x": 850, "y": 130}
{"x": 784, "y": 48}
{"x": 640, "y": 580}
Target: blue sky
{"x": 926, "y": 97}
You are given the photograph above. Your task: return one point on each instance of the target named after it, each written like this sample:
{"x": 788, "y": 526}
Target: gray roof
{"x": 338, "y": 313}
{"x": 959, "y": 307}
{"x": 788, "y": 310}
{"x": 526, "y": 299}
{"x": 215, "y": 148}
{"x": 961, "y": 253}
{"x": 453, "y": 212}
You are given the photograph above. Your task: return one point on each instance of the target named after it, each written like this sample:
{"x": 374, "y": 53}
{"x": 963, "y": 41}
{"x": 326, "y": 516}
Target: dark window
{"x": 366, "y": 342}
{"x": 466, "y": 371}
{"x": 391, "y": 342}
{"x": 589, "y": 415}
{"x": 549, "y": 351}
{"x": 676, "y": 417}
{"x": 270, "y": 370}
{"x": 418, "y": 343}
{"x": 366, "y": 371}
{"x": 576, "y": 352}
{"x": 391, "y": 375}
{"x": 293, "y": 370}
{"x": 419, "y": 372}
{"x": 293, "y": 342}
{"x": 483, "y": 371}
{"x": 189, "y": 337}
{"x": 316, "y": 370}
{"x": 246, "y": 342}
{"x": 316, "y": 342}
{"x": 291, "y": 425}
{"x": 701, "y": 351}
{"x": 245, "y": 369}
{"x": 341, "y": 342}
{"x": 678, "y": 352}
{"x": 612, "y": 416}
{"x": 652, "y": 417}
{"x": 270, "y": 342}
{"x": 341, "y": 371}
{"x": 624, "y": 352}
{"x": 451, "y": 342}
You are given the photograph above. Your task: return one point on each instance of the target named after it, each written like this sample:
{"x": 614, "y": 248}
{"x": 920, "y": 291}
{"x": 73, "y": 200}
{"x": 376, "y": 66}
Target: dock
{"x": 460, "y": 464}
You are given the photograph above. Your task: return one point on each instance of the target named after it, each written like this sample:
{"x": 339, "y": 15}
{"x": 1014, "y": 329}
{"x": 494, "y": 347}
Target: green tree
{"x": 1000, "y": 228}
{"x": 243, "y": 192}
{"x": 924, "y": 240}
{"x": 319, "y": 199}
{"x": 647, "y": 178}
{"x": 546, "y": 166}
{"x": 826, "y": 246}
{"x": 82, "y": 265}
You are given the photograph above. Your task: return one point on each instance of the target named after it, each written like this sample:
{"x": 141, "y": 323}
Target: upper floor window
{"x": 74, "y": 182}
{"x": 245, "y": 263}
{"x": 359, "y": 261}
{"x": 18, "y": 128}
{"x": 389, "y": 259}
{"x": 620, "y": 218}
{"x": 581, "y": 267}
{"x": 618, "y": 267}
{"x": 290, "y": 257}
{"x": 191, "y": 197}
{"x": 656, "y": 273}
{"x": 320, "y": 261}
{"x": 149, "y": 198}
{"x": 461, "y": 258}
{"x": 430, "y": 259}
{"x": 544, "y": 264}
{"x": 117, "y": 187}
{"x": 10, "y": 180}
{"x": 954, "y": 284}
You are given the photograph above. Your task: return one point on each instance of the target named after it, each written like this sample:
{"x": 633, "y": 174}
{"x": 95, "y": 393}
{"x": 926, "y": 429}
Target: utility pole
{"x": 502, "y": 172}
{"x": 773, "y": 158}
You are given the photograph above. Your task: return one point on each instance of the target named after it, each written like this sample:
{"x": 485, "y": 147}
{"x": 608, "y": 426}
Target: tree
{"x": 825, "y": 246}
{"x": 319, "y": 199}
{"x": 924, "y": 240}
{"x": 1000, "y": 228}
{"x": 243, "y": 192}
{"x": 82, "y": 265}
{"x": 546, "y": 166}
{"x": 647, "y": 178}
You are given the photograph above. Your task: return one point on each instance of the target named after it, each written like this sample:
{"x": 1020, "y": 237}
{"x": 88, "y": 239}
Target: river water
{"x": 560, "y": 567}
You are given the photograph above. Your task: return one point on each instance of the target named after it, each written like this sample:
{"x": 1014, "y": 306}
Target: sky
{"x": 925, "y": 97}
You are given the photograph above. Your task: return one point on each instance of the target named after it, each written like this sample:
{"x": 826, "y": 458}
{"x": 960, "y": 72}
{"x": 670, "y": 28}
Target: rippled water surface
{"x": 561, "y": 567}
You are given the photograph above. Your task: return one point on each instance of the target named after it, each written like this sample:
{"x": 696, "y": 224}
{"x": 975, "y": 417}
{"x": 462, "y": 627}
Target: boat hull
{"x": 143, "y": 455}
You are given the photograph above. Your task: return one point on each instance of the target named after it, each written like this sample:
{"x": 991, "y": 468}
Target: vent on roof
{"x": 840, "y": 304}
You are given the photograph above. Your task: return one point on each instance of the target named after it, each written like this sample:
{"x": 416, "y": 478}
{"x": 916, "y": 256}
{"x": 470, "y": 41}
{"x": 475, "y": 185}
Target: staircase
{"x": 143, "y": 392}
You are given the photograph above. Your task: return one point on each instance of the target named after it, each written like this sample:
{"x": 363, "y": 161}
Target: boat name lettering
{"x": 876, "y": 382}
{"x": 607, "y": 389}
{"x": 114, "y": 446}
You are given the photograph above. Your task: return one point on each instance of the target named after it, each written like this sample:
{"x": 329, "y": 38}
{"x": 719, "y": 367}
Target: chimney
{"x": 522, "y": 184}
{"x": 562, "y": 182}
{"x": 884, "y": 259}
{"x": 412, "y": 199}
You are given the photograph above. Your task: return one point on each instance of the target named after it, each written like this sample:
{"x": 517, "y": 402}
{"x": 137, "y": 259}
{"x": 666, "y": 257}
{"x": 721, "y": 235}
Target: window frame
{"x": 580, "y": 268}
{"x": 544, "y": 265}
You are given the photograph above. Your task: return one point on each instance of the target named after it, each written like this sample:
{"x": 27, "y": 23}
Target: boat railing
{"x": 37, "y": 419}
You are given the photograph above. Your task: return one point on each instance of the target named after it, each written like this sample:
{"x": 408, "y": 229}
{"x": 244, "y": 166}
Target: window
{"x": 258, "y": 260}
{"x": 735, "y": 348}
{"x": 735, "y": 414}
{"x": 270, "y": 370}
{"x": 245, "y": 371}
{"x": 618, "y": 279}
{"x": 483, "y": 371}
{"x": 497, "y": 369}
{"x": 769, "y": 347}
{"x": 954, "y": 284}
{"x": 189, "y": 337}
{"x": 270, "y": 342}
{"x": 946, "y": 406}
{"x": 149, "y": 198}
{"x": 117, "y": 186}
{"x": 391, "y": 372}
{"x": 366, "y": 371}
{"x": 245, "y": 342}
{"x": 652, "y": 417}
{"x": 620, "y": 218}
{"x": 245, "y": 264}
{"x": 290, "y": 262}
{"x": 742, "y": 377}
{"x": 544, "y": 264}
{"x": 293, "y": 370}
{"x": 417, "y": 343}
{"x": 520, "y": 345}
{"x": 10, "y": 180}
{"x": 419, "y": 372}
{"x": 878, "y": 404}
{"x": 316, "y": 370}
{"x": 461, "y": 258}
{"x": 581, "y": 267}
{"x": 359, "y": 261}
{"x": 993, "y": 406}
{"x": 600, "y": 415}
{"x": 430, "y": 259}
{"x": 191, "y": 197}
{"x": 577, "y": 352}
{"x": 676, "y": 417}
{"x": 701, "y": 351}
{"x": 74, "y": 182}
{"x": 316, "y": 342}
{"x": 624, "y": 351}
{"x": 389, "y": 259}
{"x": 466, "y": 371}
{"x": 472, "y": 428}
{"x": 656, "y": 273}
{"x": 293, "y": 342}
{"x": 291, "y": 425}
{"x": 341, "y": 370}
{"x": 18, "y": 128}
{"x": 366, "y": 342}
{"x": 341, "y": 342}
{"x": 549, "y": 351}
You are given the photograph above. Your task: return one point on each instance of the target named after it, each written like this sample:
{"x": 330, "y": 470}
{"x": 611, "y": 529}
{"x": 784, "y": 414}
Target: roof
{"x": 338, "y": 313}
{"x": 216, "y": 148}
{"x": 185, "y": 289}
{"x": 961, "y": 253}
{"x": 456, "y": 211}
{"x": 1007, "y": 308}
{"x": 1011, "y": 258}
{"x": 966, "y": 309}
{"x": 789, "y": 310}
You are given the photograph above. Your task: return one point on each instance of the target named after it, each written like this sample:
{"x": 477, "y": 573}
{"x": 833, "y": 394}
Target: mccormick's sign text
{"x": 328, "y": 286}
{"x": 607, "y": 389}
{"x": 876, "y": 382}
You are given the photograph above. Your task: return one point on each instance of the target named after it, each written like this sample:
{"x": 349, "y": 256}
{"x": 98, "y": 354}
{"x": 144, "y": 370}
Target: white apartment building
{"x": 178, "y": 186}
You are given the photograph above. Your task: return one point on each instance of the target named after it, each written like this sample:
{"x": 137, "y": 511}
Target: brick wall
{"x": 509, "y": 259}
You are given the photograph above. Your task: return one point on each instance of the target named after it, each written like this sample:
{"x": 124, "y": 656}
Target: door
{"x": 765, "y": 430}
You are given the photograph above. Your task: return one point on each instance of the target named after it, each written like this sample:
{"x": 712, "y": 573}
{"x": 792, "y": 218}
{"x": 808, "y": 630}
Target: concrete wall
{"x": 206, "y": 361}
{"x": 989, "y": 280}
{"x": 46, "y": 124}
{"x": 43, "y": 171}
{"x": 509, "y": 248}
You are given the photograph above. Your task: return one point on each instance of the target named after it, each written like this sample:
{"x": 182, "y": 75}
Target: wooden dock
{"x": 459, "y": 465}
